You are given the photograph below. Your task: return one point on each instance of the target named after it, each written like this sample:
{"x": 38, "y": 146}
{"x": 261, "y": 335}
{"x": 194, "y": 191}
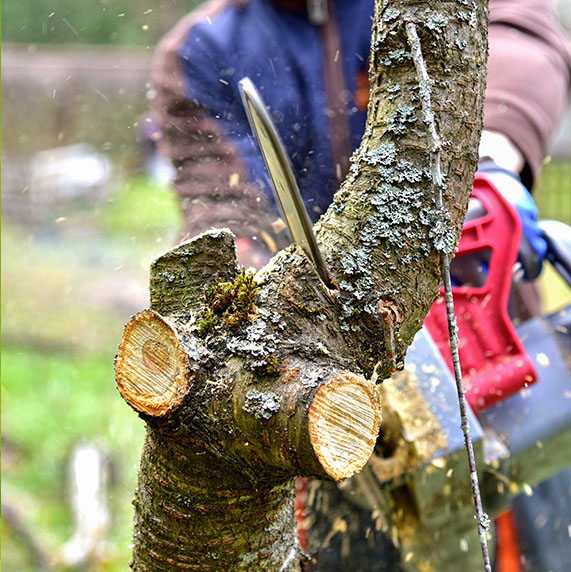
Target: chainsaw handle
{"x": 493, "y": 360}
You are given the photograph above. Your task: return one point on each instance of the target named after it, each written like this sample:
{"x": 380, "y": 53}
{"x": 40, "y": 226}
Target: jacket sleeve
{"x": 220, "y": 177}
{"x": 529, "y": 74}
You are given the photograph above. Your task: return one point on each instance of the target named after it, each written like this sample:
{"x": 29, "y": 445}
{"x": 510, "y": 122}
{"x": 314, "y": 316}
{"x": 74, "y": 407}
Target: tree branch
{"x": 246, "y": 382}
{"x": 424, "y": 82}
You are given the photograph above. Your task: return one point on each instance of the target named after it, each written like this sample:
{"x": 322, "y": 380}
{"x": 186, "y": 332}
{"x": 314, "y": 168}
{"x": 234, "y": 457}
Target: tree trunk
{"x": 248, "y": 381}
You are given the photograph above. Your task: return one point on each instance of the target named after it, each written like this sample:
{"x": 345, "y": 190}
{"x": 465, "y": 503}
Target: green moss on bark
{"x": 228, "y": 303}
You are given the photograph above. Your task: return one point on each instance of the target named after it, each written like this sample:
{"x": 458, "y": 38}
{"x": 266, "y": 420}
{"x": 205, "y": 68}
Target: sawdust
{"x": 411, "y": 426}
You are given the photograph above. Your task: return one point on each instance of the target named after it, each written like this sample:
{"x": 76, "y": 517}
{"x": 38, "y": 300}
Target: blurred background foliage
{"x": 75, "y": 255}
{"x": 75, "y": 258}
{"x": 109, "y": 22}
{"x": 69, "y": 283}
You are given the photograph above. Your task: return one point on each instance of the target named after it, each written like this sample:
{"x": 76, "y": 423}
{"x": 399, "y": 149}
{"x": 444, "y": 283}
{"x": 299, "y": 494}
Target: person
{"x": 221, "y": 178}
{"x": 309, "y": 60}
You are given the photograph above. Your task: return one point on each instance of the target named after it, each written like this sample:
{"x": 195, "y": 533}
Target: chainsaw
{"x": 416, "y": 488}
{"x": 411, "y": 507}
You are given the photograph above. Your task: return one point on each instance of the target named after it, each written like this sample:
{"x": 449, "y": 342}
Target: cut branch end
{"x": 151, "y": 366}
{"x": 344, "y": 422}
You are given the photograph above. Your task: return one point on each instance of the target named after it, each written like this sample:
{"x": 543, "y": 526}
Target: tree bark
{"x": 245, "y": 382}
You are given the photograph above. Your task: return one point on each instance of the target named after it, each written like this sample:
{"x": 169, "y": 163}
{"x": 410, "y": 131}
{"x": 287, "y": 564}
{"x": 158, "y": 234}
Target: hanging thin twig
{"x": 428, "y": 115}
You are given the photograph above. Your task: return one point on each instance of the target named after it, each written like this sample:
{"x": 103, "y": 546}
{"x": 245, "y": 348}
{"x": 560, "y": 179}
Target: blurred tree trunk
{"x": 244, "y": 382}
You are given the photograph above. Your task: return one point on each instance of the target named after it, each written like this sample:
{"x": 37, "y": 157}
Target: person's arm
{"x": 529, "y": 75}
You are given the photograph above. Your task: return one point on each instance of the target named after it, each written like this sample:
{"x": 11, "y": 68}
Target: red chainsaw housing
{"x": 493, "y": 360}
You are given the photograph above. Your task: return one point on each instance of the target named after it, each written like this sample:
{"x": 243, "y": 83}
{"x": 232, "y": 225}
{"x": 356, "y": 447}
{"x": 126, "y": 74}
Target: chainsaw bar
{"x": 283, "y": 179}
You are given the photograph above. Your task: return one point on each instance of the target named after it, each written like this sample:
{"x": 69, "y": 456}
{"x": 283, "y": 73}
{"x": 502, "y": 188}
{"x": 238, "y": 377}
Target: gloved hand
{"x": 533, "y": 248}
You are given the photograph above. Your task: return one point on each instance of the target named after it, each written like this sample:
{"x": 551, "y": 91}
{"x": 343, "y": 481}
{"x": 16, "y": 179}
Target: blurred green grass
{"x": 68, "y": 287}
{"x": 143, "y": 211}
{"x": 553, "y": 199}
{"x": 553, "y": 191}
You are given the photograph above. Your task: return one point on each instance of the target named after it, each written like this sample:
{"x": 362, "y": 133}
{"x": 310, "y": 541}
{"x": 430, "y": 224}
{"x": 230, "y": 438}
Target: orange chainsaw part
{"x": 508, "y": 554}
{"x": 493, "y": 360}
